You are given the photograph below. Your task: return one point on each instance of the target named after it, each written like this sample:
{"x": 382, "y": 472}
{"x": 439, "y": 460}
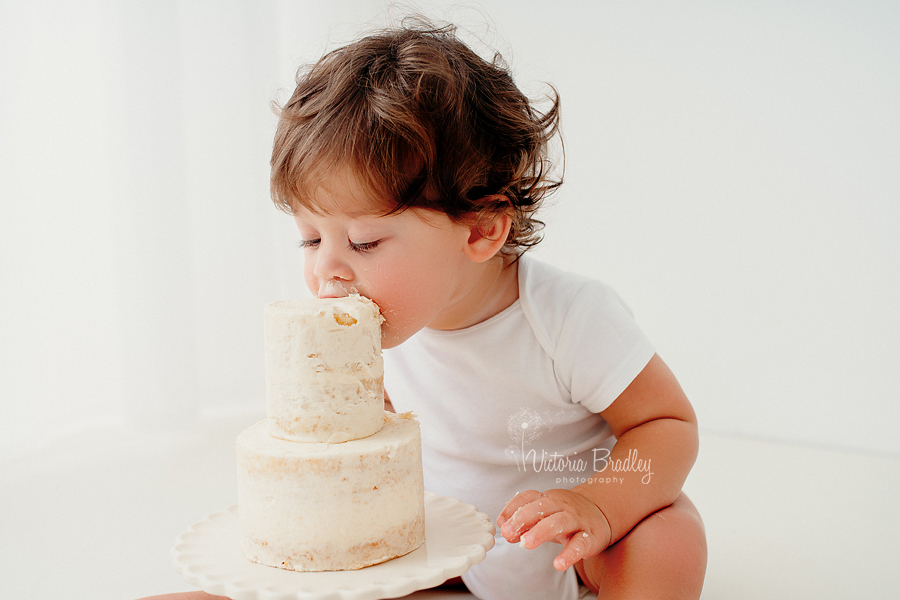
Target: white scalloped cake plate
{"x": 457, "y": 536}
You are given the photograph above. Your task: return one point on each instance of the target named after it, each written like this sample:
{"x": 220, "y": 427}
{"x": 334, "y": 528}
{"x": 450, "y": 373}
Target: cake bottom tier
{"x": 330, "y": 507}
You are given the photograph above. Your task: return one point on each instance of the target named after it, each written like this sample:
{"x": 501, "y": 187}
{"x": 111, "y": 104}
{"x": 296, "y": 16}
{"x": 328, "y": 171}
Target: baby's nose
{"x": 333, "y": 273}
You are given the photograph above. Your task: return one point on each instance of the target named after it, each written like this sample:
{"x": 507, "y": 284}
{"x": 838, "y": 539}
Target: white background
{"x": 731, "y": 168}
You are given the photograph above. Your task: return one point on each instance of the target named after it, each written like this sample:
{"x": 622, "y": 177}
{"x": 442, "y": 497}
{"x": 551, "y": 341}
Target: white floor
{"x": 95, "y": 516}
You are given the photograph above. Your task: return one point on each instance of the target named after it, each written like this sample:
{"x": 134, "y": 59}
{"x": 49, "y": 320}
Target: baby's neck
{"x": 494, "y": 290}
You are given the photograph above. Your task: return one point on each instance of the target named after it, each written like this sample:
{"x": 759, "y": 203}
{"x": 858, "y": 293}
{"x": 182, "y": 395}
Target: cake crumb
{"x": 344, "y": 319}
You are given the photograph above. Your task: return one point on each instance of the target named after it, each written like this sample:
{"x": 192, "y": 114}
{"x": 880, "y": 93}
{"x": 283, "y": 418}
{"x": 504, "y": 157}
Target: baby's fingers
{"x": 512, "y": 507}
{"x": 580, "y": 546}
{"x": 557, "y": 527}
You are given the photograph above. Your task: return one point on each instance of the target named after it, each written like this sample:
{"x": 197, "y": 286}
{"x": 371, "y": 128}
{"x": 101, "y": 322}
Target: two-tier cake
{"x": 329, "y": 481}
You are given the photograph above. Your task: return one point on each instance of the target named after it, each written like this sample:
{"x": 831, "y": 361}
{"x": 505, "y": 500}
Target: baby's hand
{"x": 560, "y": 516}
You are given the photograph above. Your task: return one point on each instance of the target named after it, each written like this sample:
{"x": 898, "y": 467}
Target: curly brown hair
{"x": 423, "y": 121}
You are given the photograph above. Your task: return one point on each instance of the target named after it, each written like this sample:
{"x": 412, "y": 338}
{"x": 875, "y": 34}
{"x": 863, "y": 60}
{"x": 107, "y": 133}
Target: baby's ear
{"x": 488, "y": 235}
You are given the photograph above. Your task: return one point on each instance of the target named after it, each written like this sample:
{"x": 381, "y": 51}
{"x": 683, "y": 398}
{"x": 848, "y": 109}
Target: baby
{"x": 413, "y": 169}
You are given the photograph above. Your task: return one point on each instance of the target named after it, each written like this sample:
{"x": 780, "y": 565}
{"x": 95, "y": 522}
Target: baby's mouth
{"x": 334, "y": 289}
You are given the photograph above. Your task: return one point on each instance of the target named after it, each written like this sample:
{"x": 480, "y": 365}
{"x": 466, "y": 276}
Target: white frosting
{"x": 324, "y": 371}
{"x": 318, "y": 507}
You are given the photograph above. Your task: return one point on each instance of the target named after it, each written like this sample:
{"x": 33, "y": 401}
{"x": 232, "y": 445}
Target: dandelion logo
{"x": 524, "y": 426}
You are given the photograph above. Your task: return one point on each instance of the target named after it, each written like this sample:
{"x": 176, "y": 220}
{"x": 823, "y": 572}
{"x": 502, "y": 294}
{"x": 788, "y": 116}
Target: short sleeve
{"x": 600, "y": 349}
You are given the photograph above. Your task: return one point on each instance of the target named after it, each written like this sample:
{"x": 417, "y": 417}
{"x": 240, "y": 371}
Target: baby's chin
{"x": 391, "y": 337}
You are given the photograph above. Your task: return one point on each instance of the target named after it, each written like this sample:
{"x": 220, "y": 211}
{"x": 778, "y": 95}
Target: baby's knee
{"x": 674, "y": 539}
{"x": 665, "y": 551}
{"x": 674, "y": 533}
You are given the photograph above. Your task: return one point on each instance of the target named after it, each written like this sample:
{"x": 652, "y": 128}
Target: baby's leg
{"x": 664, "y": 556}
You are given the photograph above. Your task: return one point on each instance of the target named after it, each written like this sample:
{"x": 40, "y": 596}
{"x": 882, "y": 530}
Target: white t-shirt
{"x": 511, "y": 404}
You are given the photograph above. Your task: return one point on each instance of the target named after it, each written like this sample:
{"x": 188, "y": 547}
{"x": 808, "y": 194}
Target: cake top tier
{"x": 333, "y": 314}
{"x": 324, "y": 371}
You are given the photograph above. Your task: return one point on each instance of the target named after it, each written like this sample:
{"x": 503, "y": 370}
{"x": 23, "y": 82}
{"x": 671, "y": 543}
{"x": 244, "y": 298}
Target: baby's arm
{"x": 652, "y": 418}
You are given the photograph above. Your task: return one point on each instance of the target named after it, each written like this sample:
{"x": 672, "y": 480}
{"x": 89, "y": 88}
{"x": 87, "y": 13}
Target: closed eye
{"x": 308, "y": 243}
{"x": 364, "y": 246}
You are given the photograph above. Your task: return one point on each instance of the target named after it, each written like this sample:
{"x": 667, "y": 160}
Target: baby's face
{"x": 411, "y": 264}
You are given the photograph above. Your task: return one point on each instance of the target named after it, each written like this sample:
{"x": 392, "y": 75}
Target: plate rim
{"x": 435, "y": 506}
